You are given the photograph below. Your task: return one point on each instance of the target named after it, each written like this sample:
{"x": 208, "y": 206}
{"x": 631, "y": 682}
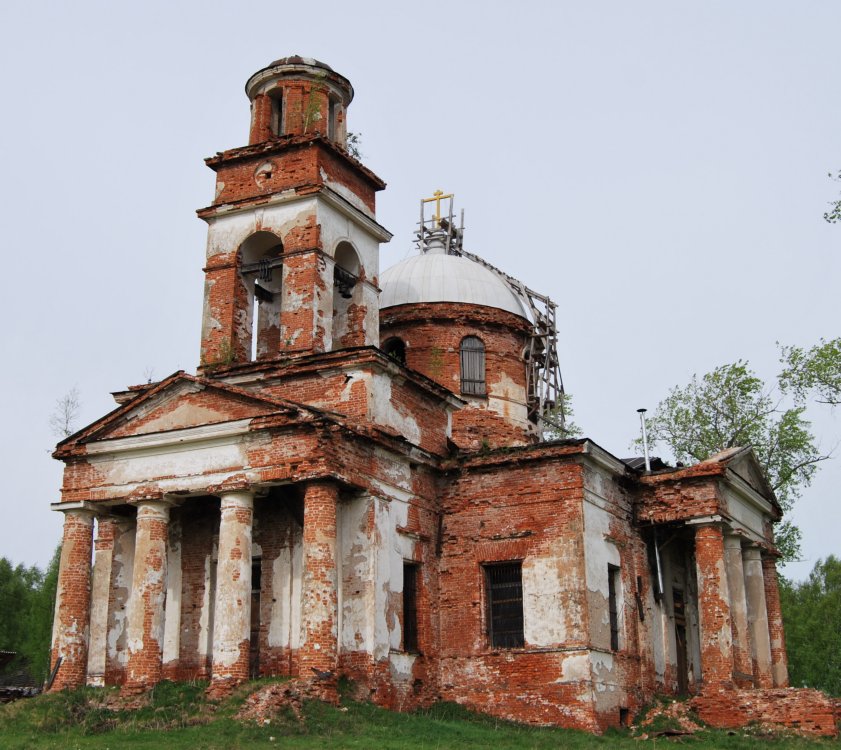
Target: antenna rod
{"x": 644, "y": 438}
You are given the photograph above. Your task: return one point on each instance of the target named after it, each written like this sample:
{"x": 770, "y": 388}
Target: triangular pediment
{"x": 744, "y": 463}
{"x": 176, "y": 403}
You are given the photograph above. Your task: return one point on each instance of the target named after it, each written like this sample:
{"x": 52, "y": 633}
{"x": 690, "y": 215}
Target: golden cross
{"x": 438, "y": 196}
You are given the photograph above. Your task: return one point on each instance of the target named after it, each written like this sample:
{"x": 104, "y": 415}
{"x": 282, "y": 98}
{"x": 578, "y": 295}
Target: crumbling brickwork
{"x": 349, "y": 490}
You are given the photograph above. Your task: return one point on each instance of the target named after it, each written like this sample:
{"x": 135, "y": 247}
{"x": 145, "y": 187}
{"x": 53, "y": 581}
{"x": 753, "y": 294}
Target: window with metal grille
{"x": 504, "y": 587}
{"x": 613, "y": 586}
{"x": 472, "y": 366}
{"x": 410, "y": 607}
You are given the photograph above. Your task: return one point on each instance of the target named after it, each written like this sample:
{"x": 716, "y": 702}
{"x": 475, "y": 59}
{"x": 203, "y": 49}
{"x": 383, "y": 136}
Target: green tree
{"x": 813, "y": 372}
{"x": 27, "y": 598}
{"x": 558, "y": 424}
{"x": 731, "y": 407}
{"x": 812, "y": 616}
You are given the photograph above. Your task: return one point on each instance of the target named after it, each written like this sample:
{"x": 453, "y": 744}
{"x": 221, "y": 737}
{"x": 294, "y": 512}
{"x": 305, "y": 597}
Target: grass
{"x": 178, "y": 716}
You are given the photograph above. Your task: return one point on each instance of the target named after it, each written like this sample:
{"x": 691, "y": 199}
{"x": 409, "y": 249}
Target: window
{"x": 410, "y": 607}
{"x": 277, "y": 114}
{"x": 396, "y": 349}
{"x": 614, "y": 585}
{"x": 504, "y": 587}
{"x": 472, "y": 366}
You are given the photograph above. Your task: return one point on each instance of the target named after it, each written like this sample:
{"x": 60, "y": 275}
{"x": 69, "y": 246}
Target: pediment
{"x": 744, "y": 463}
{"x": 180, "y": 402}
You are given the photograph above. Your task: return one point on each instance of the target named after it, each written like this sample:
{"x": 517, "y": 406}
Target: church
{"x": 357, "y": 481}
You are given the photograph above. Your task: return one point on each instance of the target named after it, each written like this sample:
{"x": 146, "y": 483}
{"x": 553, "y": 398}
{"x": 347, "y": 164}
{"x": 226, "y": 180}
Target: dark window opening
{"x": 504, "y": 586}
{"x": 472, "y": 354}
{"x": 613, "y": 586}
{"x": 254, "y": 643}
{"x": 277, "y": 114}
{"x": 396, "y": 349}
{"x": 410, "y": 607}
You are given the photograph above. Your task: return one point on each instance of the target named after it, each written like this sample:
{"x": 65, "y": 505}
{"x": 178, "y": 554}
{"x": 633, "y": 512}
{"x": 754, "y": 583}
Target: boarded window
{"x": 613, "y": 587}
{"x": 410, "y": 607}
{"x": 504, "y": 586}
{"x": 472, "y": 366}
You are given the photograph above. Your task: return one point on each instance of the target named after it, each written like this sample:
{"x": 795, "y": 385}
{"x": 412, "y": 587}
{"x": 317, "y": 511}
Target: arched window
{"x": 472, "y": 366}
{"x": 346, "y": 292}
{"x": 396, "y": 349}
{"x": 261, "y": 269}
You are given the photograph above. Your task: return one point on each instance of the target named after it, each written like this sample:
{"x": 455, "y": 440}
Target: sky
{"x": 659, "y": 169}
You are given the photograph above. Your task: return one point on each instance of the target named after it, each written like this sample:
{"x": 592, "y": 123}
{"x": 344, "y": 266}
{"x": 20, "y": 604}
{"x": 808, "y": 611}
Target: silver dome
{"x": 437, "y": 277}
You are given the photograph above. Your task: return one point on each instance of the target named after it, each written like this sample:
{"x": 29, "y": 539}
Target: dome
{"x": 437, "y": 277}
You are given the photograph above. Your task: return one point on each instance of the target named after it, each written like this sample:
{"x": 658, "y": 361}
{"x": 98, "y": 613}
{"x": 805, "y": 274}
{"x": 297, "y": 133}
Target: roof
{"x": 438, "y": 277}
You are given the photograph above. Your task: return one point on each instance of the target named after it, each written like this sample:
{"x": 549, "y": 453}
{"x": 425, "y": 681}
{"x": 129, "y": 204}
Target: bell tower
{"x": 293, "y": 242}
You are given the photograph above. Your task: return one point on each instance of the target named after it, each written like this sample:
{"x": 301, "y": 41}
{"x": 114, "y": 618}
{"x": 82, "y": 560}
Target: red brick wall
{"x": 433, "y": 333}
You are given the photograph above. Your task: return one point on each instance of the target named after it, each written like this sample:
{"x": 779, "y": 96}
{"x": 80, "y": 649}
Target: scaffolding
{"x": 544, "y": 385}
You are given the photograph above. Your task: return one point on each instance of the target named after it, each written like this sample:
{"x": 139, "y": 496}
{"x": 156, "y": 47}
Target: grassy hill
{"x": 179, "y": 716}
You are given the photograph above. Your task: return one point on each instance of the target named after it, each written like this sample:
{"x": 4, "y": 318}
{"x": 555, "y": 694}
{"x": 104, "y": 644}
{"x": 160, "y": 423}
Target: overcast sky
{"x": 658, "y": 168}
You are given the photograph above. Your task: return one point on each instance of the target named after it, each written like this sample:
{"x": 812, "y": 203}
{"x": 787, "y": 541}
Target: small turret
{"x": 298, "y": 96}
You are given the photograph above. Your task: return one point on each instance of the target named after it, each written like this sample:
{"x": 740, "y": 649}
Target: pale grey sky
{"x": 658, "y": 168}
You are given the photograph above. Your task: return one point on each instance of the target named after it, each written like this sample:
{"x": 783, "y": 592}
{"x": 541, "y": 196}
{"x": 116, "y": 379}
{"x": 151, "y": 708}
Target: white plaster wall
{"x": 123, "y": 562}
{"x": 357, "y": 589}
{"x": 287, "y": 590}
{"x": 599, "y": 552}
{"x": 172, "y": 611}
{"x": 543, "y": 615}
{"x": 382, "y": 411}
{"x": 228, "y": 231}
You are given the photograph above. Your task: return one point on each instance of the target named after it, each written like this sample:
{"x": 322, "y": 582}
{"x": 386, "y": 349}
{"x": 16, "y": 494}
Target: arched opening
{"x": 396, "y": 349}
{"x": 278, "y": 125}
{"x": 472, "y": 358}
{"x": 261, "y": 270}
{"x": 347, "y": 295}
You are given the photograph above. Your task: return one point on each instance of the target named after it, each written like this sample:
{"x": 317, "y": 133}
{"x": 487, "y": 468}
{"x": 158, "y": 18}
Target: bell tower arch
{"x": 293, "y": 242}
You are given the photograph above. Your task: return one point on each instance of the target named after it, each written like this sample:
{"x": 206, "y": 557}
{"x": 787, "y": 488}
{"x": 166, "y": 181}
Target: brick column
{"x": 261, "y": 119}
{"x": 72, "y": 603}
{"x": 758, "y": 618}
{"x": 742, "y": 662}
{"x": 100, "y": 595}
{"x": 319, "y": 610}
{"x": 713, "y": 607}
{"x": 779, "y": 660}
{"x": 146, "y": 605}
{"x": 232, "y": 609}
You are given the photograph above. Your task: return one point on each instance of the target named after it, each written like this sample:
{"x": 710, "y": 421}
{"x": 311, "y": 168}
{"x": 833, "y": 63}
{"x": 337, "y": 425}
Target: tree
{"x": 731, "y": 407}
{"x": 558, "y": 424}
{"x": 27, "y": 599}
{"x": 812, "y": 616}
{"x": 834, "y": 213}
{"x": 814, "y": 372}
{"x": 66, "y": 412}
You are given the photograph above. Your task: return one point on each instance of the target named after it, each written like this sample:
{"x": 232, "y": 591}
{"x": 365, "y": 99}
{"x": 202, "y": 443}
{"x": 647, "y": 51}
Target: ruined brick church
{"x": 356, "y": 482}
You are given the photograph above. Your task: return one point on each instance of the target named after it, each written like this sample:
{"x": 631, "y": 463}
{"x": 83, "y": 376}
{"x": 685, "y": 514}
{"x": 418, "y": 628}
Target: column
{"x": 742, "y": 661}
{"x": 232, "y": 608}
{"x": 713, "y": 607}
{"x": 146, "y": 606}
{"x": 779, "y": 660}
{"x": 758, "y": 617}
{"x": 100, "y": 595}
{"x": 318, "y": 653}
{"x": 72, "y": 604}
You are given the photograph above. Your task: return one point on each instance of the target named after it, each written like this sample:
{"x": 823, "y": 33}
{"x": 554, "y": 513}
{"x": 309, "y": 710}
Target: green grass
{"x": 178, "y": 716}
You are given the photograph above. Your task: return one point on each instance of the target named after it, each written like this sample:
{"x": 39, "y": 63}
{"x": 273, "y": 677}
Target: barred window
{"x": 504, "y": 587}
{"x": 410, "y": 607}
{"x": 472, "y": 366}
